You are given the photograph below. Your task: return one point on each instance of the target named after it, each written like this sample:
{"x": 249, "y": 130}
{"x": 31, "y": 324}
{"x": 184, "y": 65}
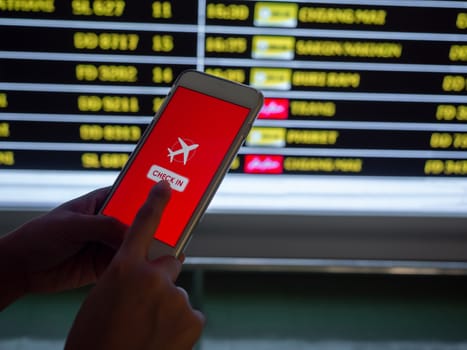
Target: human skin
{"x": 135, "y": 303}
{"x": 67, "y": 248}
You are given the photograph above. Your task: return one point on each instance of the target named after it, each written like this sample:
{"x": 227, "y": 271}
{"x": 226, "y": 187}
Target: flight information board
{"x": 352, "y": 87}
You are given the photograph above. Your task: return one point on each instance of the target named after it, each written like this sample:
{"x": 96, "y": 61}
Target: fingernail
{"x": 162, "y": 188}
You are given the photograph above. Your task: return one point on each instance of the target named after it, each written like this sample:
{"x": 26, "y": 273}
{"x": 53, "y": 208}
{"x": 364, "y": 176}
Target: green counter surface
{"x": 283, "y": 311}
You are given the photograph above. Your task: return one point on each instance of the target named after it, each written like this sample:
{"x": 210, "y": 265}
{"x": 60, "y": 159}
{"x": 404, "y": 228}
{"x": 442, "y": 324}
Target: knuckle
{"x": 193, "y": 319}
{"x": 198, "y": 322}
{"x": 183, "y": 292}
{"x": 118, "y": 267}
{"x": 194, "y": 326}
{"x": 160, "y": 285}
{"x": 180, "y": 298}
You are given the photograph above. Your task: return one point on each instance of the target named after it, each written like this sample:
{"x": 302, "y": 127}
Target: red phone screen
{"x": 185, "y": 147}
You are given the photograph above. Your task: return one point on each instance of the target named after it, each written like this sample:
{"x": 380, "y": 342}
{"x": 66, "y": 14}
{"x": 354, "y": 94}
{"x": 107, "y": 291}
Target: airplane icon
{"x": 185, "y": 149}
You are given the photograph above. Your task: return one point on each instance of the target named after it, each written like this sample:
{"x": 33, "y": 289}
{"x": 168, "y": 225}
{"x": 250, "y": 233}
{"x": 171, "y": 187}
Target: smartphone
{"x": 191, "y": 143}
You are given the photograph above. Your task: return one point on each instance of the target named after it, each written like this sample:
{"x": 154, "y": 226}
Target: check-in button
{"x": 176, "y": 181}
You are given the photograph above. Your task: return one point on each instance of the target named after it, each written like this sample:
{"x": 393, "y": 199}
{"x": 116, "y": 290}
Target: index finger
{"x": 170, "y": 265}
{"x": 147, "y": 219}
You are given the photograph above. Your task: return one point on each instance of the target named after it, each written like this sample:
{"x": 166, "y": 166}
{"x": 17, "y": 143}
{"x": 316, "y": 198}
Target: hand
{"x": 67, "y": 248}
{"x": 135, "y": 304}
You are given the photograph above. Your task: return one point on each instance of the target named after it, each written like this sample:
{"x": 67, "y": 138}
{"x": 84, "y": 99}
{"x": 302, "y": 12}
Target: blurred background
{"x": 251, "y": 310}
{"x": 341, "y": 222}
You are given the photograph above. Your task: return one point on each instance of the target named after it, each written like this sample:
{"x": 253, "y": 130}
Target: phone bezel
{"x": 226, "y": 90}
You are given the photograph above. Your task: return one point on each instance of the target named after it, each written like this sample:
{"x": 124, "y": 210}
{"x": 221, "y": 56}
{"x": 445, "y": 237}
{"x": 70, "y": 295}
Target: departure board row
{"x": 373, "y": 88}
{"x": 394, "y": 15}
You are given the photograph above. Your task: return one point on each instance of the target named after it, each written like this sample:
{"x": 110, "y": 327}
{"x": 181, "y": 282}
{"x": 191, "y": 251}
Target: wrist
{"x": 12, "y": 276}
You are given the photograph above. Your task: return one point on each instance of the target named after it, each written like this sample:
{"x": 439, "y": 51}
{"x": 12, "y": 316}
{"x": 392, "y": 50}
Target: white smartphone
{"x": 190, "y": 143}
